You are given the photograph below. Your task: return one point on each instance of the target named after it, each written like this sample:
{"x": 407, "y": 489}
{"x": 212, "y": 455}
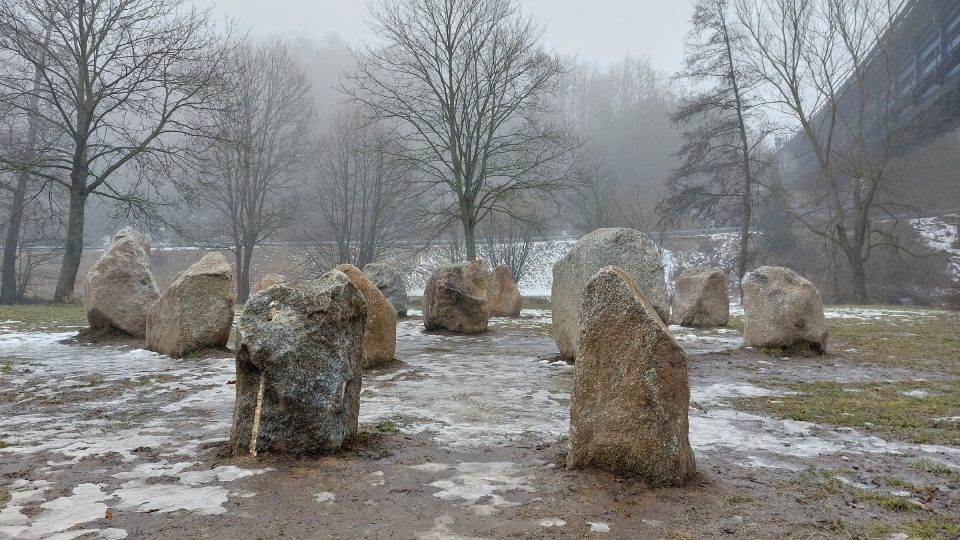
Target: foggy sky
{"x": 599, "y": 31}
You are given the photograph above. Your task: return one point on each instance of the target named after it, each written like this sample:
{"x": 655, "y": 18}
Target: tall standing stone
{"x": 119, "y": 288}
{"x": 503, "y": 296}
{"x": 298, "y": 368}
{"x": 701, "y": 299}
{"x": 390, "y": 284}
{"x": 783, "y": 311}
{"x": 628, "y": 249}
{"x": 628, "y": 409}
{"x": 196, "y": 310}
{"x": 455, "y": 298}
{"x": 380, "y": 330}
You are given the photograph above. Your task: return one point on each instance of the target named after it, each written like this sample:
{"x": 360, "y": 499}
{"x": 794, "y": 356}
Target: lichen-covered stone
{"x": 503, "y": 295}
{"x": 628, "y": 409}
{"x": 380, "y": 330}
{"x": 455, "y": 298}
{"x": 196, "y": 310}
{"x": 628, "y": 249}
{"x": 783, "y": 311}
{"x": 701, "y": 299}
{"x": 298, "y": 367}
{"x": 119, "y": 288}
{"x": 390, "y": 284}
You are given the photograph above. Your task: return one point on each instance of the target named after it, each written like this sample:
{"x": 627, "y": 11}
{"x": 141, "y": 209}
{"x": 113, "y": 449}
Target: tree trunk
{"x": 243, "y": 275}
{"x": 859, "y": 277}
{"x": 9, "y": 293}
{"x": 73, "y": 248}
{"x": 744, "y": 236}
{"x": 469, "y": 239}
{"x": 9, "y": 289}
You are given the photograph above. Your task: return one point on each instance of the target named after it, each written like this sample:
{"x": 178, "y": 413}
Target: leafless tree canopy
{"x": 362, "y": 201}
{"x": 250, "y": 164}
{"x": 115, "y": 81}
{"x": 825, "y": 64}
{"x": 466, "y": 85}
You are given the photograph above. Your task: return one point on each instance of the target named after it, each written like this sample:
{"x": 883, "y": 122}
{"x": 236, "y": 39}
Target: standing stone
{"x": 503, "y": 296}
{"x": 266, "y": 282}
{"x": 390, "y": 284}
{"x": 628, "y": 249}
{"x": 628, "y": 410}
{"x": 455, "y": 298}
{"x": 783, "y": 311}
{"x": 298, "y": 368}
{"x": 119, "y": 288}
{"x": 380, "y": 330}
{"x": 196, "y": 310}
{"x": 701, "y": 299}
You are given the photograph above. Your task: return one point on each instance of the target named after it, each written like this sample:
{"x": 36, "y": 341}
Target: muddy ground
{"x": 463, "y": 437}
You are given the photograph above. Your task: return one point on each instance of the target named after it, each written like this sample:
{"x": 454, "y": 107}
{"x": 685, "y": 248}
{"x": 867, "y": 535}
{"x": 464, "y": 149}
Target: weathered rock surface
{"x": 266, "y": 282}
{"x": 390, "y": 284}
{"x": 503, "y": 295}
{"x": 626, "y": 248}
{"x": 298, "y": 368}
{"x": 701, "y": 299}
{"x": 380, "y": 330}
{"x": 782, "y": 310}
{"x": 119, "y": 288}
{"x": 455, "y": 298}
{"x": 628, "y": 409}
{"x": 196, "y": 310}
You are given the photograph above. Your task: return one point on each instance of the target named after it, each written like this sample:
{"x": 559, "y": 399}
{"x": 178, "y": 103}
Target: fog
{"x": 596, "y": 31}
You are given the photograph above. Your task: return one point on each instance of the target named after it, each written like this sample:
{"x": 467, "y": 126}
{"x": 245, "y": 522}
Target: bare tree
{"x": 250, "y": 163}
{"x": 468, "y": 86}
{"x": 117, "y": 79}
{"x": 826, "y": 65}
{"x": 509, "y": 238}
{"x": 721, "y": 156}
{"x": 363, "y": 197}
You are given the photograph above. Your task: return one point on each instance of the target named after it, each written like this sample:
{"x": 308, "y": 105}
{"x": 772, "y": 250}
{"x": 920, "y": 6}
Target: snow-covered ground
{"x": 940, "y": 234}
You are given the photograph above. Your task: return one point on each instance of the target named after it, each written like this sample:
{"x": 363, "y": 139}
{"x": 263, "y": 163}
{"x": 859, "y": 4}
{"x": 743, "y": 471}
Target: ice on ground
{"x": 480, "y": 485}
{"x": 552, "y": 522}
{"x": 598, "y": 526}
{"x": 325, "y": 497}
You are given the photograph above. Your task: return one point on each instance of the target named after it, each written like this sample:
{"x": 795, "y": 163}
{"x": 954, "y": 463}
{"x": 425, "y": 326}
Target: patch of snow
{"x": 325, "y": 497}
{"x": 916, "y": 393}
{"x": 62, "y": 513}
{"x": 552, "y": 522}
{"x": 598, "y": 526}
{"x": 481, "y": 485}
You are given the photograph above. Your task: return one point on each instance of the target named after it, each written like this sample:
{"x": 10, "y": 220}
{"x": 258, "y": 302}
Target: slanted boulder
{"x": 628, "y": 409}
{"x": 782, "y": 311}
{"x": 628, "y": 249}
{"x": 196, "y": 310}
{"x": 119, "y": 288}
{"x": 503, "y": 296}
{"x": 380, "y": 330}
{"x": 701, "y": 299}
{"x": 455, "y": 298}
{"x": 298, "y": 368}
{"x": 266, "y": 282}
{"x": 390, "y": 284}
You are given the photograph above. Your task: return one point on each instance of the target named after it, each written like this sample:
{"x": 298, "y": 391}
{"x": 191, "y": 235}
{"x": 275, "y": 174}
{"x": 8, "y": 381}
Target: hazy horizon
{"x": 601, "y": 31}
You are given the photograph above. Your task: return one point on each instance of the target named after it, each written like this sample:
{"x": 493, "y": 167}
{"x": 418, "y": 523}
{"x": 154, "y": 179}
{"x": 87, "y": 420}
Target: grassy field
{"x": 42, "y": 317}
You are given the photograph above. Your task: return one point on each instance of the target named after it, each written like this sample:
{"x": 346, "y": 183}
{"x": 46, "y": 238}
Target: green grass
{"x": 930, "y": 340}
{"x": 924, "y": 528}
{"x": 937, "y": 469}
{"x": 387, "y": 426}
{"x": 880, "y": 407}
{"x": 43, "y": 317}
{"x": 5, "y": 444}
